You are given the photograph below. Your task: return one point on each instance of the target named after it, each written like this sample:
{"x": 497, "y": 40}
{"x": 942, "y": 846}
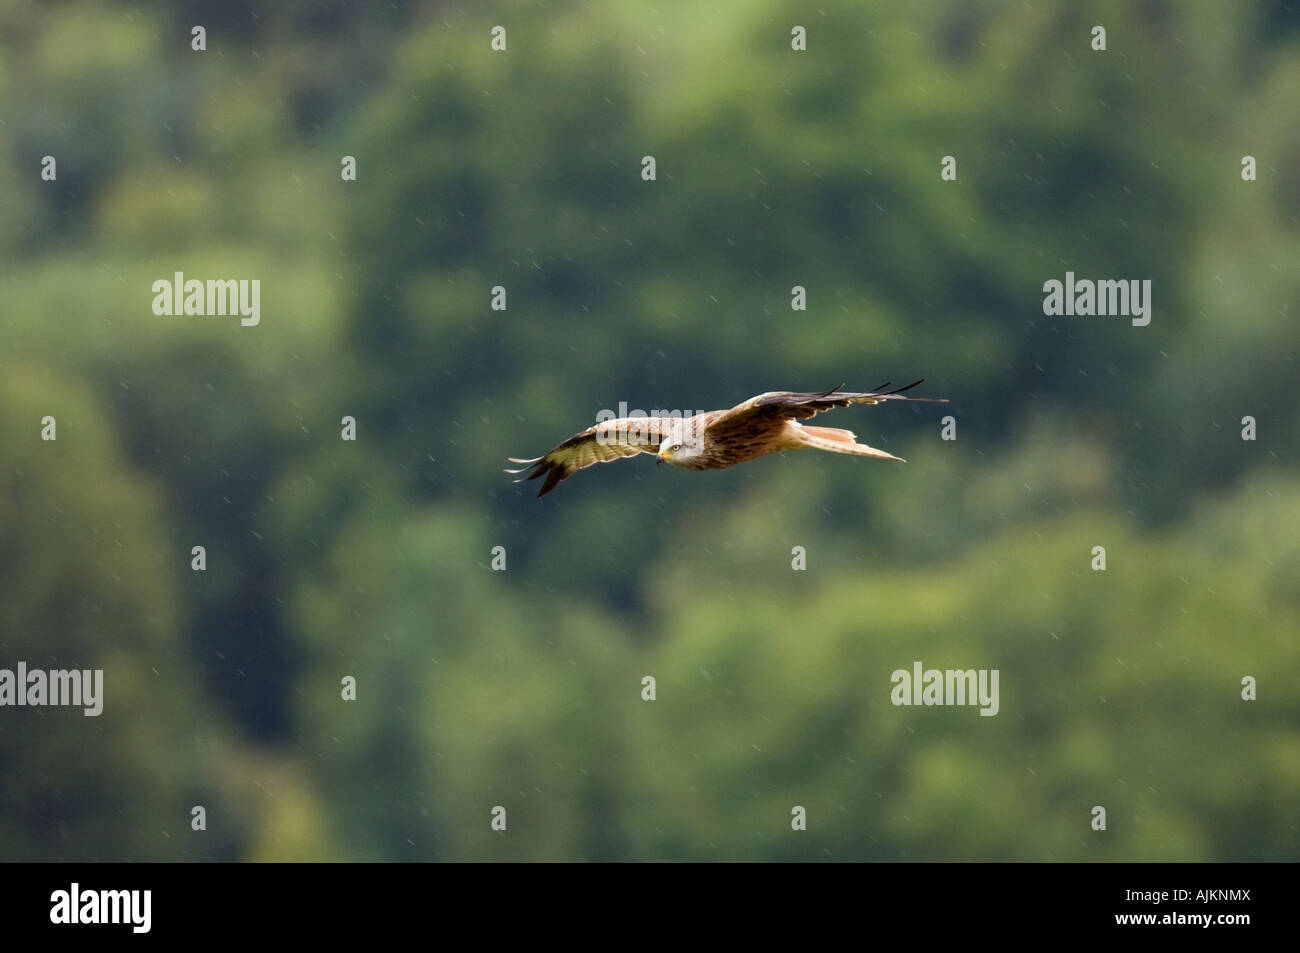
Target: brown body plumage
{"x": 720, "y": 438}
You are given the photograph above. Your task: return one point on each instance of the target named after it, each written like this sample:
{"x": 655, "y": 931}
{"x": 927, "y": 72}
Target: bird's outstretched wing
{"x": 775, "y": 407}
{"x": 608, "y": 440}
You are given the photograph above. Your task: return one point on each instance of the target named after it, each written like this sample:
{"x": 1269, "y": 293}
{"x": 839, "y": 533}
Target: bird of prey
{"x": 720, "y": 438}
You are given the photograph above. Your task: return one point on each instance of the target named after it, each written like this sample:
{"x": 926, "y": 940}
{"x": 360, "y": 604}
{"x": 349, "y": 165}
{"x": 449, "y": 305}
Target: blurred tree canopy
{"x": 522, "y": 688}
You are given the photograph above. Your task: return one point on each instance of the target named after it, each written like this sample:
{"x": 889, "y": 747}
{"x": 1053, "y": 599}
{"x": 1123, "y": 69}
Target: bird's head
{"x": 678, "y": 446}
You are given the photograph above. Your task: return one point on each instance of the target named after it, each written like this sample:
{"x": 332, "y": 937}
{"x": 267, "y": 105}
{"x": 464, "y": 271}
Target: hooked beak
{"x": 662, "y": 457}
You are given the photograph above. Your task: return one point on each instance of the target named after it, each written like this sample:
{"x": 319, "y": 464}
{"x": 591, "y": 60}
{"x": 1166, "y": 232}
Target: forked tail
{"x": 835, "y": 440}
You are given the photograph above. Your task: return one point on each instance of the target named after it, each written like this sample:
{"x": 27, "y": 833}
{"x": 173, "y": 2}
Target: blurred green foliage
{"x": 522, "y": 688}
